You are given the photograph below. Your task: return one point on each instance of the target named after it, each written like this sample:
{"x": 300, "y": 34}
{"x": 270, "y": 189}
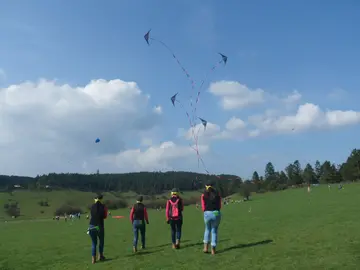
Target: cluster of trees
{"x": 321, "y": 173}
{"x": 158, "y": 182}
{"x": 12, "y": 208}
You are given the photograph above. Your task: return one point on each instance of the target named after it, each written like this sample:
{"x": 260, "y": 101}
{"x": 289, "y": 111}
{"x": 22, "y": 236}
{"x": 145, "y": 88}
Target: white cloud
{"x": 157, "y": 110}
{"x": 235, "y": 95}
{"x": 146, "y": 141}
{"x": 48, "y": 127}
{"x": 235, "y": 123}
{"x": 294, "y": 97}
{"x": 235, "y": 128}
{"x": 211, "y": 132}
{"x": 159, "y": 157}
{"x": 308, "y": 116}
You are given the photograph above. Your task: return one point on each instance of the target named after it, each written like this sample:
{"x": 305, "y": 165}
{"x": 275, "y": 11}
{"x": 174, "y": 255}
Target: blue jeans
{"x": 139, "y": 225}
{"x": 212, "y": 221}
{"x": 95, "y": 235}
{"x": 175, "y": 226}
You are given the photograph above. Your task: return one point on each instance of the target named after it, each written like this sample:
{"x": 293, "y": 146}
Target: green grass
{"x": 30, "y": 208}
{"x": 285, "y": 230}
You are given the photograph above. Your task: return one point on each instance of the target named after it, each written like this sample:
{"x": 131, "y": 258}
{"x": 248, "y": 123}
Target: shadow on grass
{"x": 169, "y": 244}
{"x": 106, "y": 260}
{"x": 201, "y": 243}
{"x": 238, "y": 246}
{"x": 143, "y": 252}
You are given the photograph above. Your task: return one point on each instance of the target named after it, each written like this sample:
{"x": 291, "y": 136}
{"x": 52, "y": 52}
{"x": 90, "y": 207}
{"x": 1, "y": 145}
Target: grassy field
{"x": 30, "y": 208}
{"x": 285, "y": 230}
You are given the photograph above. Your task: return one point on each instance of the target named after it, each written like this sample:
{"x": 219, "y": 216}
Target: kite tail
{"x": 188, "y": 76}
{"x": 192, "y": 81}
{"x": 192, "y": 125}
{"x": 201, "y": 86}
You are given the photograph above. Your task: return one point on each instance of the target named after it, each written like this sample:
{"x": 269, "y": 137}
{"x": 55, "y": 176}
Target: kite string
{"x": 195, "y": 137}
{"x": 194, "y": 107}
{"x": 188, "y": 76}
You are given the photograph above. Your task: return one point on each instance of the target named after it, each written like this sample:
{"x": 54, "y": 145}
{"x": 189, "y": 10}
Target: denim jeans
{"x": 139, "y": 225}
{"x": 175, "y": 226}
{"x": 95, "y": 235}
{"x": 212, "y": 221}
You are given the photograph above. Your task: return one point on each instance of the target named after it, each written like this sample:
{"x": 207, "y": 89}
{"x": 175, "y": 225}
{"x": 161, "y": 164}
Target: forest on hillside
{"x": 295, "y": 174}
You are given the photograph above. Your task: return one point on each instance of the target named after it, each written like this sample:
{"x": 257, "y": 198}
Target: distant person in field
{"x": 174, "y": 217}
{"x": 138, "y": 217}
{"x": 211, "y": 205}
{"x": 96, "y": 229}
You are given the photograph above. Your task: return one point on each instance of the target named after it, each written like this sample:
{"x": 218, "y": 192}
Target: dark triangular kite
{"x": 204, "y": 122}
{"x": 173, "y": 99}
{"x": 147, "y": 37}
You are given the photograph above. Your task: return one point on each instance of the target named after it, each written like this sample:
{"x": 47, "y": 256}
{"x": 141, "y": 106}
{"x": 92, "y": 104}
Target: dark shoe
{"x": 101, "y": 257}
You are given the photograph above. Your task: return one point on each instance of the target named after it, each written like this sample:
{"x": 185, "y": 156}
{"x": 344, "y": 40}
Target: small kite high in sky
{"x": 173, "y": 99}
{"x": 97, "y": 140}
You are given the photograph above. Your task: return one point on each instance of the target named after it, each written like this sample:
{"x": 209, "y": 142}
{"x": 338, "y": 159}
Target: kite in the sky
{"x": 97, "y": 140}
{"x": 147, "y": 36}
{"x": 224, "y": 58}
{"x": 191, "y": 117}
{"x": 204, "y": 122}
{"x": 173, "y": 99}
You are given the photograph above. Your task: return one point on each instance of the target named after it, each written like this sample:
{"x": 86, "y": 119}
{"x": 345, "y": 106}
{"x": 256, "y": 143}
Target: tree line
{"x": 295, "y": 174}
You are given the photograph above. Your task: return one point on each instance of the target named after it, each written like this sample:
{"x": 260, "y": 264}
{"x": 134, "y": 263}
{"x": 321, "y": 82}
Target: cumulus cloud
{"x": 45, "y": 126}
{"x": 156, "y": 157}
{"x": 308, "y": 116}
{"x": 293, "y": 98}
{"x": 235, "y": 128}
{"x": 235, "y": 95}
{"x": 157, "y": 110}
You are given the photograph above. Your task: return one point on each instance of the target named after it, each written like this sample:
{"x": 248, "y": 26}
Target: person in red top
{"x": 174, "y": 217}
{"x": 138, "y": 217}
{"x": 211, "y": 205}
{"x": 96, "y": 228}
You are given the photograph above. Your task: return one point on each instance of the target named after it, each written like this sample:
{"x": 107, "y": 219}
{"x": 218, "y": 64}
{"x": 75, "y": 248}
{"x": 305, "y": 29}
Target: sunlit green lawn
{"x": 284, "y": 230}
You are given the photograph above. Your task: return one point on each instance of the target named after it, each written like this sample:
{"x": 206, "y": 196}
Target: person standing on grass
{"x": 138, "y": 216}
{"x": 174, "y": 217}
{"x": 96, "y": 229}
{"x": 211, "y": 205}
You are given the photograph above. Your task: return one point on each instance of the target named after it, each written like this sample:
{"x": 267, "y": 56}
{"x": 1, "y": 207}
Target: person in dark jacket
{"x": 211, "y": 205}
{"x": 138, "y": 216}
{"x": 174, "y": 217}
{"x": 96, "y": 230}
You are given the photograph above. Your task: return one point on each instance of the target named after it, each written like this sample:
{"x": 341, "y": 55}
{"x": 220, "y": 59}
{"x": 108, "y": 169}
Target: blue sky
{"x": 277, "y": 46}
